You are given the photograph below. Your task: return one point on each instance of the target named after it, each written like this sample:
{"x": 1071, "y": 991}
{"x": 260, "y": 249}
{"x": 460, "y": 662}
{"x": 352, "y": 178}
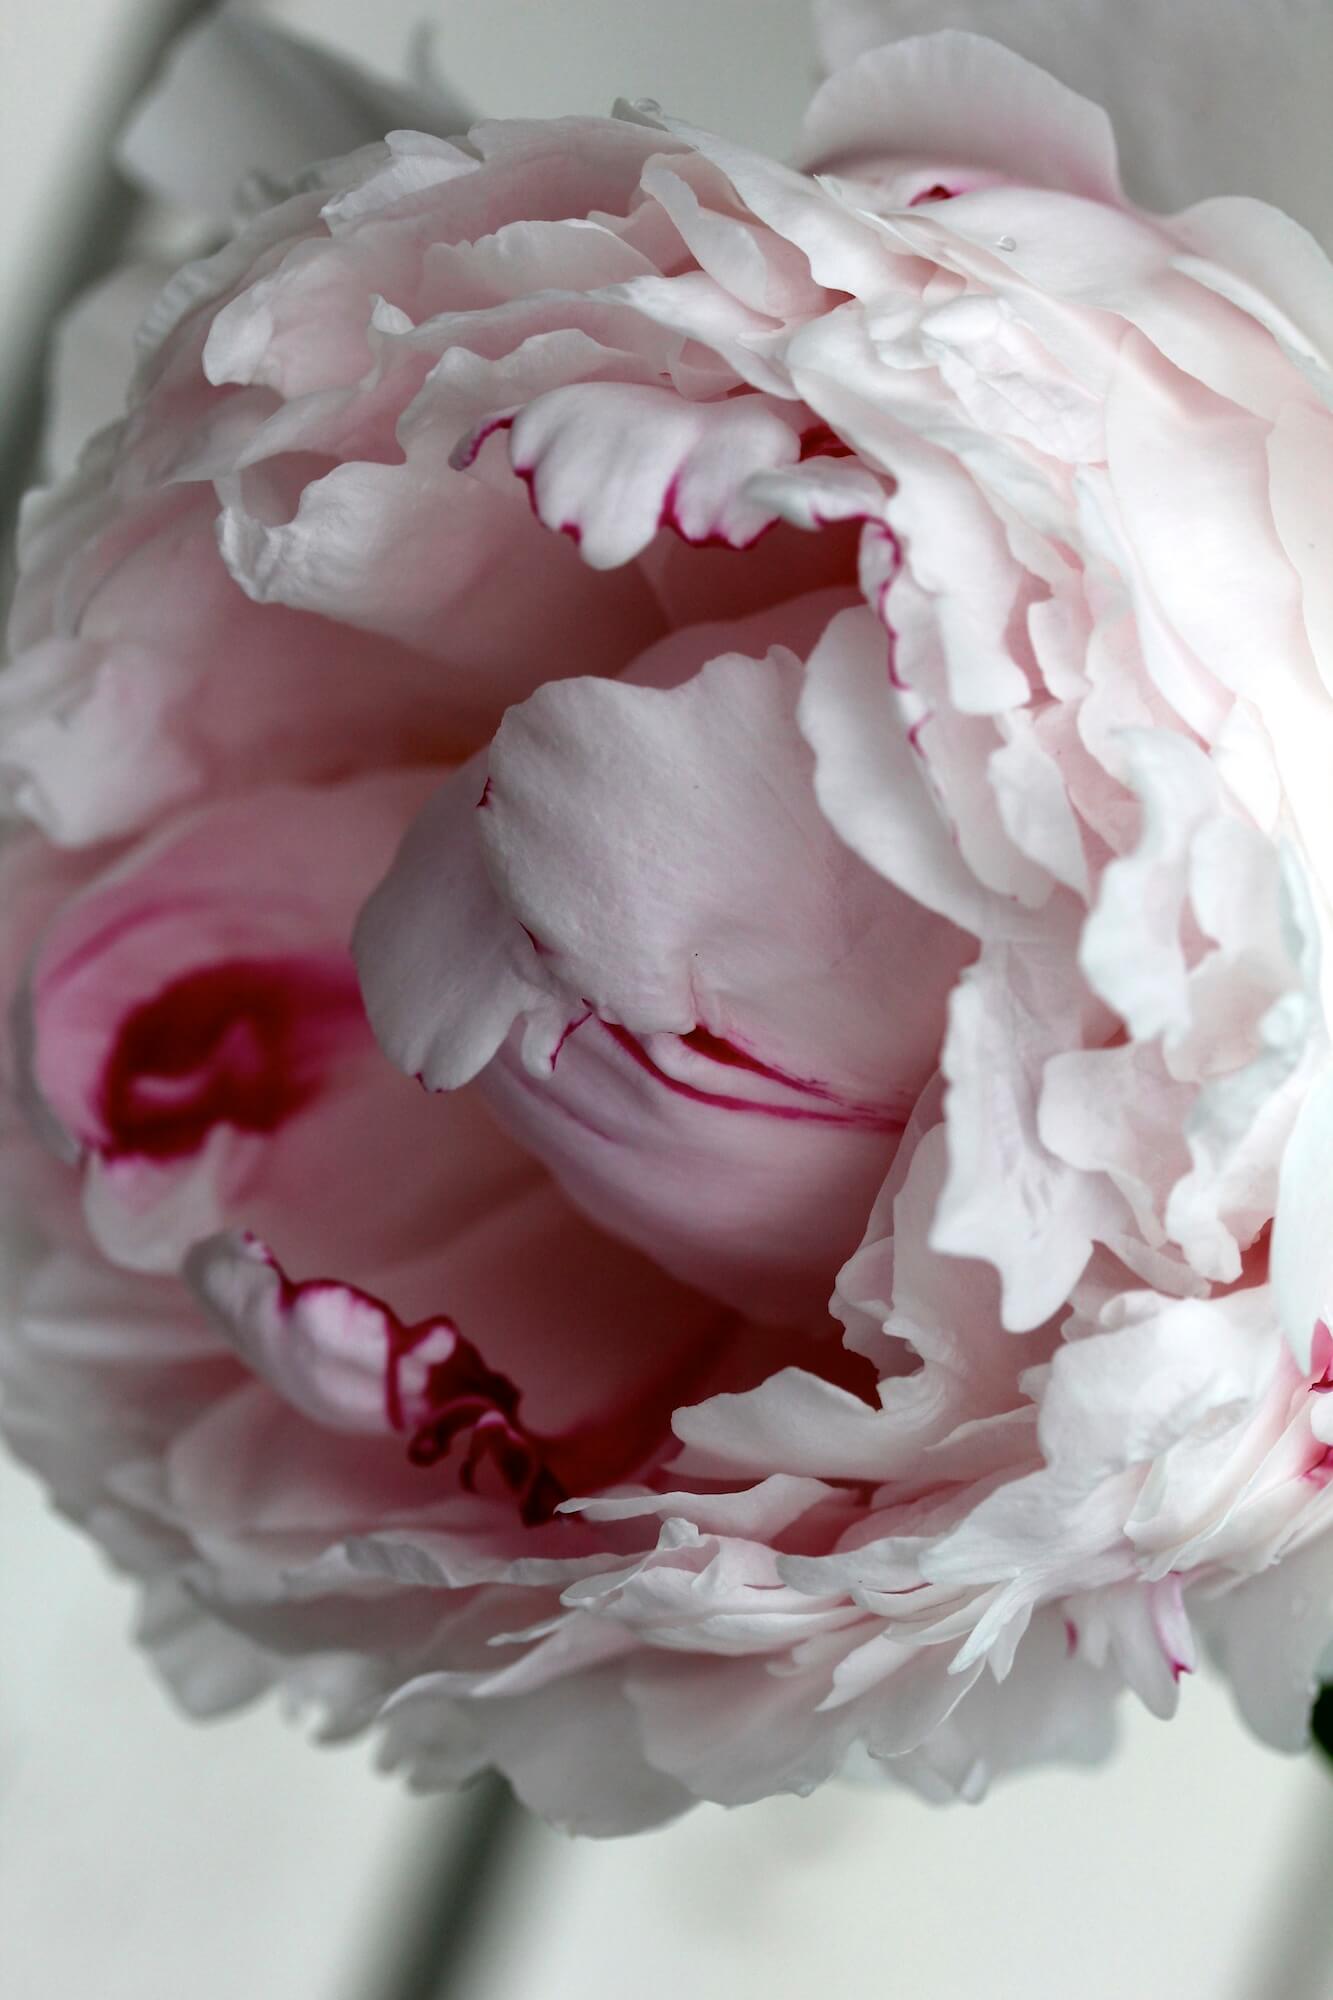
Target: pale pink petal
{"x": 1187, "y": 86}
{"x": 609, "y": 466}
{"x": 1302, "y": 1235}
{"x": 725, "y": 919}
{"x": 359, "y": 550}
{"x": 727, "y": 1733}
{"x": 1275, "y": 1685}
{"x": 867, "y": 776}
{"x": 573, "y": 1753}
{"x": 444, "y": 967}
{"x": 1009, "y": 1199}
{"x": 126, "y": 716}
{"x": 953, "y": 99}
{"x": 753, "y": 1190}
{"x": 1300, "y": 457}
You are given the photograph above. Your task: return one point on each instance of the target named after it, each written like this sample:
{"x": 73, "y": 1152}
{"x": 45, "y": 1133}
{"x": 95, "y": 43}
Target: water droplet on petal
{"x": 649, "y": 106}
{"x": 1006, "y": 243}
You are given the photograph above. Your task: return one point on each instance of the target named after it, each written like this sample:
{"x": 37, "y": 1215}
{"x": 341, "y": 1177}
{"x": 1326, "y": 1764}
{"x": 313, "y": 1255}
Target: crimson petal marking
{"x": 875, "y": 1118}
{"x": 342, "y": 1357}
{"x": 460, "y": 1397}
{"x": 241, "y": 1043}
{"x": 345, "y": 1359}
{"x": 612, "y": 463}
{"x": 465, "y": 1398}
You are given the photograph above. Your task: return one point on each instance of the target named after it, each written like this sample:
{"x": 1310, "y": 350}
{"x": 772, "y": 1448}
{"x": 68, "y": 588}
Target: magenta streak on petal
{"x": 1321, "y": 1358}
{"x": 565, "y": 1033}
{"x": 868, "y": 1118}
{"x": 1175, "y": 1587}
{"x": 915, "y": 729}
{"x": 1320, "y": 1473}
{"x": 734, "y": 1054}
{"x": 465, "y": 452}
{"x": 668, "y": 517}
{"x": 485, "y": 798}
{"x": 936, "y": 193}
{"x": 463, "y": 1397}
{"x": 528, "y": 474}
{"x": 242, "y": 1043}
{"x": 1071, "y": 1638}
{"x": 714, "y": 538}
{"x": 896, "y": 678}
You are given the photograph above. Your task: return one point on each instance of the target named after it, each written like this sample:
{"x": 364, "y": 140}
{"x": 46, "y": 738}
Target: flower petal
{"x": 1190, "y": 86}
{"x": 955, "y": 99}
{"x": 610, "y": 464}
{"x": 867, "y": 778}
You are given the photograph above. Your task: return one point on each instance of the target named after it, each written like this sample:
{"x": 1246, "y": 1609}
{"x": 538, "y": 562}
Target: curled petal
{"x": 610, "y": 465}
{"x": 1188, "y": 86}
{"x": 956, "y": 99}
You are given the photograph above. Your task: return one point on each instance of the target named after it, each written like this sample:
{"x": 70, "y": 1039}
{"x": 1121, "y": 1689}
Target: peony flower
{"x": 670, "y": 1094}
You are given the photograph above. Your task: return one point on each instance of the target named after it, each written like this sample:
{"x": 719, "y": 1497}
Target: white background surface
{"x": 142, "y": 1858}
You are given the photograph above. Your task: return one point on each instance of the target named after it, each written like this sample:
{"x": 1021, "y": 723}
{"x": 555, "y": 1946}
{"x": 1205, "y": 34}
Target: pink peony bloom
{"x": 803, "y": 695}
